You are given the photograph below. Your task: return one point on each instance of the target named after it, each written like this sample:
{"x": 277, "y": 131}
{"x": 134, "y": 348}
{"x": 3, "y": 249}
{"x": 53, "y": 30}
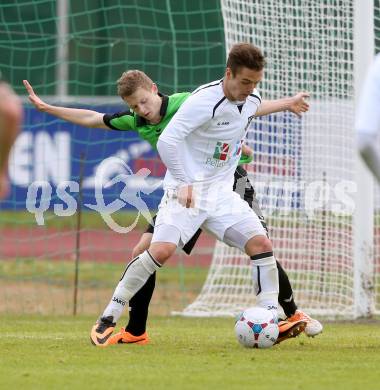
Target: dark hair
{"x": 131, "y": 80}
{"x": 245, "y": 55}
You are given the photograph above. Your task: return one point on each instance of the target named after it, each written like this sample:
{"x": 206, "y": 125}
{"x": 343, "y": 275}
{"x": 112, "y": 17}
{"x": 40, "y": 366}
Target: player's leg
{"x": 132, "y": 280}
{"x": 245, "y": 189}
{"x": 288, "y": 304}
{"x": 285, "y": 295}
{"x": 243, "y": 230}
{"x": 135, "y": 331}
{"x": 264, "y": 270}
{"x": 172, "y": 222}
{"x": 139, "y": 303}
{"x": 235, "y": 223}
{"x": 258, "y": 247}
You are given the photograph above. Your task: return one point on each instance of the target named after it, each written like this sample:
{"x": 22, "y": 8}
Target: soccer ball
{"x": 256, "y": 328}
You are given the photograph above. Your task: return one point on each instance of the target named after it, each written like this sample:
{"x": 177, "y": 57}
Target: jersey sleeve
{"x": 368, "y": 113}
{"x": 244, "y": 159}
{"x": 120, "y": 121}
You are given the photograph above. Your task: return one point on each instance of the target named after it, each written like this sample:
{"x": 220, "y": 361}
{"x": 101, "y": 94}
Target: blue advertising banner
{"x": 52, "y": 151}
{"x": 49, "y": 156}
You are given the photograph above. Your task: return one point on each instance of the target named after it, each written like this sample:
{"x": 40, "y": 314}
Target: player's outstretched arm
{"x": 87, "y": 118}
{"x": 296, "y": 104}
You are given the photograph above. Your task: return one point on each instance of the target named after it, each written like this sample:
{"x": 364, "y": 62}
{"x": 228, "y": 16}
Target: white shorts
{"x": 177, "y": 224}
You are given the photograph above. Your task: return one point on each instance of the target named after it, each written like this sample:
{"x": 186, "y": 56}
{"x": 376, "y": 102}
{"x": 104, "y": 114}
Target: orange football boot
{"x": 289, "y": 329}
{"x": 102, "y": 331}
{"x": 313, "y": 326}
{"x": 124, "y": 337}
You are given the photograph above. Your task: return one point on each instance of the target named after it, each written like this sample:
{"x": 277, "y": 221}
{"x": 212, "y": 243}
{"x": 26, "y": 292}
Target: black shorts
{"x": 245, "y": 189}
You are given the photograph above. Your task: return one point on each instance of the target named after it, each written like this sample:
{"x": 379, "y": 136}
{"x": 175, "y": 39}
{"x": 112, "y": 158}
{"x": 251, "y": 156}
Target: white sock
{"x": 265, "y": 280}
{"x": 134, "y": 277}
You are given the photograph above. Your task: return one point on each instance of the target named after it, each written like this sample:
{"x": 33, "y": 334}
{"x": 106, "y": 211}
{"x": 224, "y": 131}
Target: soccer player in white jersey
{"x": 201, "y": 147}
{"x": 141, "y": 94}
{"x": 11, "y": 115}
{"x": 368, "y": 119}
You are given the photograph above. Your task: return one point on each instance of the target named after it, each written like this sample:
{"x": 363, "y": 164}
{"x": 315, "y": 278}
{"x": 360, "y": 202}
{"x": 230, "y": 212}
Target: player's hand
{"x": 185, "y": 196}
{"x": 34, "y": 99}
{"x": 246, "y": 150}
{"x": 299, "y": 104}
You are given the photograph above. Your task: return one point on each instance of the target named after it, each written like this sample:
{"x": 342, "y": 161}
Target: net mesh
{"x": 301, "y": 172}
{"x": 377, "y": 190}
{"x": 303, "y": 169}
{"x": 72, "y": 53}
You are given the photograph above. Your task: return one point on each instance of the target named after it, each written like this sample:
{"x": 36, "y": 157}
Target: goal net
{"x": 376, "y": 254}
{"x": 304, "y": 170}
{"x": 72, "y": 52}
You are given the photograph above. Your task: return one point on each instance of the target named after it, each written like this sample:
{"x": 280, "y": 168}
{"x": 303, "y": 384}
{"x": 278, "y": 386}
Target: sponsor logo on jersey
{"x": 223, "y": 152}
{"x": 215, "y": 163}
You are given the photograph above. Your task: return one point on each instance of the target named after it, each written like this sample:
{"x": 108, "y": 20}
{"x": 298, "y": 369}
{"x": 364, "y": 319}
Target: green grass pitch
{"x": 55, "y": 353}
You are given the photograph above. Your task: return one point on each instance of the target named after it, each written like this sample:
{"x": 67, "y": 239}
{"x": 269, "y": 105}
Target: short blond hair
{"x": 131, "y": 80}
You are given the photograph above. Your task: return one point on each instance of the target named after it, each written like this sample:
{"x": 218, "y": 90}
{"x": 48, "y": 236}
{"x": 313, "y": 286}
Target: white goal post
{"x": 317, "y": 202}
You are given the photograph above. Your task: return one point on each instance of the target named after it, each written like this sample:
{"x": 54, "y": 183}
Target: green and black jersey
{"x": 130, "y": 121}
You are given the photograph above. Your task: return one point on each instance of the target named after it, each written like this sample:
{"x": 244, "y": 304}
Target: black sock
{"x": 139, "y": 305}
{"x": 285, "y": 295}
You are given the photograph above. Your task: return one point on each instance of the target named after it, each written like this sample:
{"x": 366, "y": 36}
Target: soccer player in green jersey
{"x": 149, "y": 113}
{"x": 10, "y": 123}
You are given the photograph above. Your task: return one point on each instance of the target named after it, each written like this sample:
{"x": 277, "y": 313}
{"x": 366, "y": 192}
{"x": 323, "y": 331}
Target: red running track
{"x": 95, "y": 245}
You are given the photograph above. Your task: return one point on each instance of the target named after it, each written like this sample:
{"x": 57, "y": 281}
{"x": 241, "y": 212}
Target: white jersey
{"x": 368, "y": 114}
{"x": 208, "y": 132}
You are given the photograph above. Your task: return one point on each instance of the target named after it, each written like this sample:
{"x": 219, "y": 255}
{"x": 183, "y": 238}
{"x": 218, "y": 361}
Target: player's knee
{"x": 142, "y": 245}
{"x": 258, "y": 244}
{"x": 12, "y": 115}
{"x": 161, "y": 251}
{"x": 137, "y": 250}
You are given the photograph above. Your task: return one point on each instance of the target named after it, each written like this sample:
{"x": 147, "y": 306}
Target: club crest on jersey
{"x": 223, "y": 152}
